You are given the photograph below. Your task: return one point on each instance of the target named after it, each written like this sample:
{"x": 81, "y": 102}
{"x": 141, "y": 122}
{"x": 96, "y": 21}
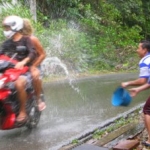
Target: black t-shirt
{"x": 9, "y": 48}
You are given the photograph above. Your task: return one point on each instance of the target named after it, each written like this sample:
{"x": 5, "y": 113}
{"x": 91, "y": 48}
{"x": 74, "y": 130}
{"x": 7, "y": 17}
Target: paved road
{"x": 70, "y": 113}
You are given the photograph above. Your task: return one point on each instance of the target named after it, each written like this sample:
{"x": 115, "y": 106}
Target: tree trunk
{"x": 33, "y": 9}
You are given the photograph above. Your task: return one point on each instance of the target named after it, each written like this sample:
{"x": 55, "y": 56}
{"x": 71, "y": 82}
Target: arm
{"x": 143, "y": 75}
{"x": 135, "y": 91}
{"x": 30, "y": 56}
{"x": 32, "y": 52}
{"x": 139, "y": 81}
{"x": 40, "y": 56}
{"x": 40, "y": 51}
{"x": 25, "y": 61}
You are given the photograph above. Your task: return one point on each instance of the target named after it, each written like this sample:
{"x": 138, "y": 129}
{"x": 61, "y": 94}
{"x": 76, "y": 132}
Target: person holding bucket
{"x": 121, "y": 97}
{"x": 144, "y": 82}
{"x": 144, "y": 65}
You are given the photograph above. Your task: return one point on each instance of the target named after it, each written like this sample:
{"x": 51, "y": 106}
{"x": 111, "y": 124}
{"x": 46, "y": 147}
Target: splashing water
{"x": 50, "y": 64}
{"x": 63, "y": 46}
{"x": 53, "y": 65}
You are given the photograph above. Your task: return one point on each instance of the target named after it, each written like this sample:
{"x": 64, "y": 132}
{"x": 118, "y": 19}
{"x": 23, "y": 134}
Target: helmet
{"x": 14, "y": 22}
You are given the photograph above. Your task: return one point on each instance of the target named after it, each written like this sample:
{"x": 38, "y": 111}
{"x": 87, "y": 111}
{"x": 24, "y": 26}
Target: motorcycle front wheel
{"x": 34, "y": 117}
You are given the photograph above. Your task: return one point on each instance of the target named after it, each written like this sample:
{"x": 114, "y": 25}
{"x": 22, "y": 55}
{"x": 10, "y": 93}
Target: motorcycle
{"x": 9, "y": 104}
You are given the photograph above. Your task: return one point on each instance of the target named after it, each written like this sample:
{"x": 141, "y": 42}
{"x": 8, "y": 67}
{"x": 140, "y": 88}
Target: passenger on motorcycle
{"x": 35, "y": 68}
{"x": 12, "y": 26}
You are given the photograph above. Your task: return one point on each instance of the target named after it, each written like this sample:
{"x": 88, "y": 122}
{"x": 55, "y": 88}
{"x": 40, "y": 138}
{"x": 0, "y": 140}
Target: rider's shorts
{"x": 28, "y": 77}
{"x": 146, "y": 108}
{"x": 28, "y": 80}
{"x": 41, "y": 72}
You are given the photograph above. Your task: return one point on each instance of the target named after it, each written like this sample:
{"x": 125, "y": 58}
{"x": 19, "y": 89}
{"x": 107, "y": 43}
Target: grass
{"x": 99, "y": 133}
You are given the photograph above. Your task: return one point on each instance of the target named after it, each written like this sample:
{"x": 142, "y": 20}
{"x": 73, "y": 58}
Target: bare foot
{"x": 41, "y": 105}
{"x": 21, "y": 117}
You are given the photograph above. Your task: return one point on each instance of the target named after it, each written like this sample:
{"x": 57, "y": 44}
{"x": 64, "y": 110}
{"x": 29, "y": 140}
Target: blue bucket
{"x": 121, "y": 97}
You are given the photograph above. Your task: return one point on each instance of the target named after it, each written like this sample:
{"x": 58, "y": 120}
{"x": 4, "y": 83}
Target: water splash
{"x": 54, "y": 66}
{"x": 65, "y": 55}
{"x": 71, "y": 81}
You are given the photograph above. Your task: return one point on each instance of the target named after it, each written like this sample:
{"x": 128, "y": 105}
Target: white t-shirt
{"x": 144, "y": 66}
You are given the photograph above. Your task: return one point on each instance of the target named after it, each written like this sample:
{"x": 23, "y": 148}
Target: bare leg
{"x": 37, "y": 84}
{"x": 38, "y": 89}
{"x": 147, "y": 125}
{"x": 22, "y": 97}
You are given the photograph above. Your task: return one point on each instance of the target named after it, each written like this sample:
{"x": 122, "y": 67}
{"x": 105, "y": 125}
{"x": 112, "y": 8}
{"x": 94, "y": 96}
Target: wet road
{"x": 70, "y": 114}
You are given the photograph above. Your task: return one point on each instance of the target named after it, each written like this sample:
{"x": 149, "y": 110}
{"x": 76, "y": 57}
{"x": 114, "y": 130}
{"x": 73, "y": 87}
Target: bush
{"x": 95, "y": 40}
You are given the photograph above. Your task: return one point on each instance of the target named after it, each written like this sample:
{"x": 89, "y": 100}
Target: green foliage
{"x": 134, "y": 12}
{"x": 99, "y": 133}
{"x": 10, "y": 9}
{"x": 111, "y": 39}
{"x": 88, "y": 35}
{"x": 66, "y": 41}
{"x": 75, "y": 141}
{"x": 58, "y": 9}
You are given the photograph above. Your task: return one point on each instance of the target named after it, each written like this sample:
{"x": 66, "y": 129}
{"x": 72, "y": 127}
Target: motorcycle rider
{"x": 12, "y": 26}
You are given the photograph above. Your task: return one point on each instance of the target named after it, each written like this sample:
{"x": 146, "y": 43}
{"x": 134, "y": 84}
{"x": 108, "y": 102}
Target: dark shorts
{"x": 146, "y": 108}
{"x": 28, "y": 78}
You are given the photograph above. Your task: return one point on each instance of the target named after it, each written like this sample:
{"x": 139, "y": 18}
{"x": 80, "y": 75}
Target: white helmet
{"x": 14, "y": 22}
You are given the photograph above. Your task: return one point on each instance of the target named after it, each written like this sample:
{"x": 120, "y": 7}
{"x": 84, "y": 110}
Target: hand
{"x": 133, "y": 91}
{"x": 19, "y": 65}
{"x": 124, "y": 84}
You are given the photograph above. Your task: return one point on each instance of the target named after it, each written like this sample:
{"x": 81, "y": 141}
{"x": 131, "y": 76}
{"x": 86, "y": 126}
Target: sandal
{"x": 146, "y": 144}
{"x": 21, "y": 121}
